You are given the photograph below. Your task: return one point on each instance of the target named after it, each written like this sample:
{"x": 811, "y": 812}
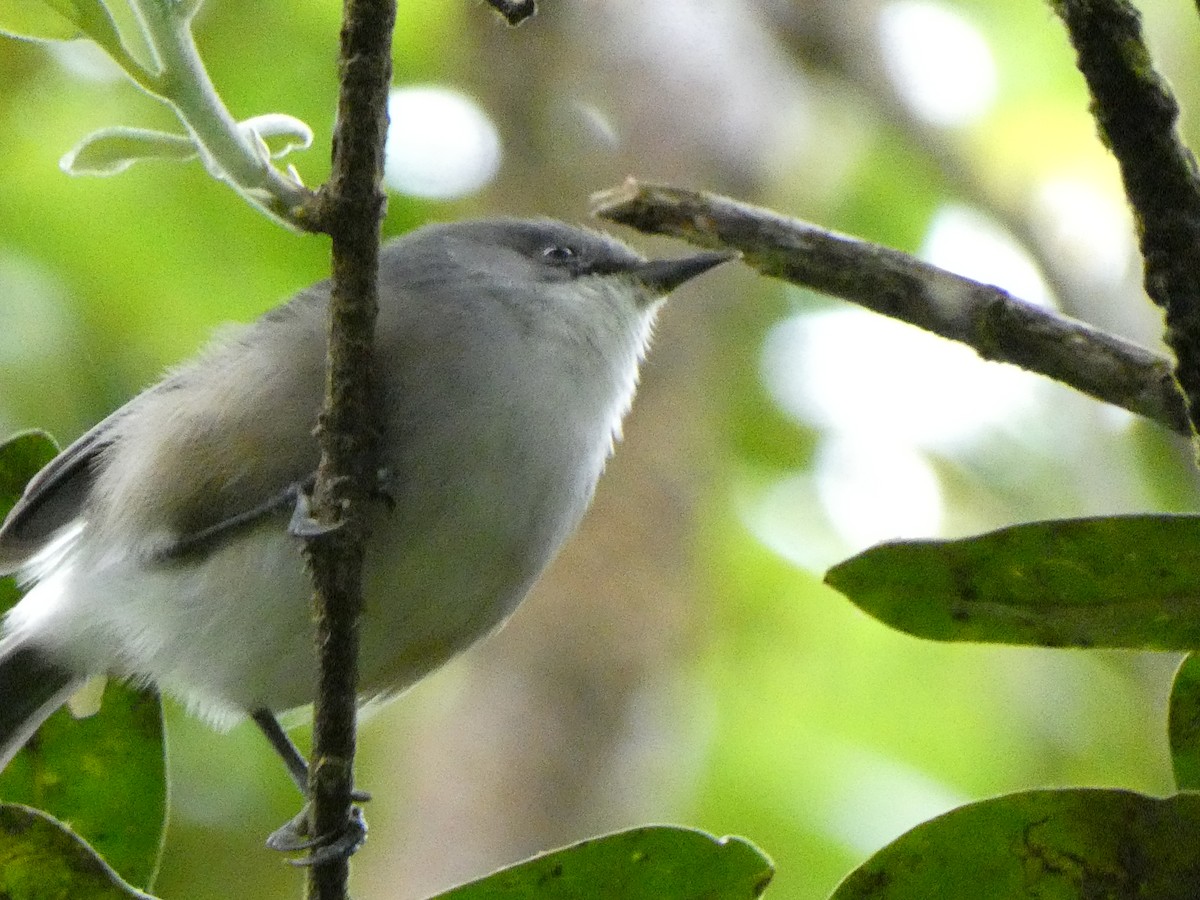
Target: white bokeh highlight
{"x": 1088, "y": 229}
{"x": 83, "y": 59}
{"x": 874, "y": 491}
{"x": 968, "y": 243}
{"x": 940, "y": 64}
{"x": 886, "y": 398}
{"x": 868, "y": 377}
{"x": 441, "y": 145}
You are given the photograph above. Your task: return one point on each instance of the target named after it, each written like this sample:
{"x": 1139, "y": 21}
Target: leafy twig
{"x": 230, "y": 152}
{"x": 997, "y": 325}
{"x": 234, "y": 152}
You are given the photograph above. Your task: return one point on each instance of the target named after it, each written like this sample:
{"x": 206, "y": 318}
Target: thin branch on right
{"x": 1136, "y": 115}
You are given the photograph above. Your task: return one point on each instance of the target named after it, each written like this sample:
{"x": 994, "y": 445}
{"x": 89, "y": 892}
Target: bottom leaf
{"x": 42, "y": 859}
{"x": 657, "y": 862}
{"x": 1065, "y": 843}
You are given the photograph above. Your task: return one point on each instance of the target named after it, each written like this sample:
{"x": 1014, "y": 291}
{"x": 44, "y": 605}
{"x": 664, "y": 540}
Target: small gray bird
{"x": 157, "y": 546}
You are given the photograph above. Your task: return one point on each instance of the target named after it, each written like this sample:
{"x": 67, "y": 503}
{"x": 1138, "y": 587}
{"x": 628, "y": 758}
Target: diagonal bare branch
{"x": 997, "y": 325}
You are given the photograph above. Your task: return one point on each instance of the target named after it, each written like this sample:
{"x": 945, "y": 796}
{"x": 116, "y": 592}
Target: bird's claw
{"x": 293, "y": 837}
{"x": 302, "y": 524}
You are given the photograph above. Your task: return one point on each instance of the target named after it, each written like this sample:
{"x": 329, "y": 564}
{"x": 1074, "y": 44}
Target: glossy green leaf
{"x": 105, "y": 774}
{"x": 1183, "y": 725}
{"x": 1125, "y": 581}
{"x": 113, "y": 150}
{"x": 1050, "y": 844}
{"x": 656, "y": 862}
{"x": 41, "y": 859}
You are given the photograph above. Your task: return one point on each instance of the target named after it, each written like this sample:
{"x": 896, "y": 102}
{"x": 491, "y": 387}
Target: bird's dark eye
{"x": 558, "y": 253}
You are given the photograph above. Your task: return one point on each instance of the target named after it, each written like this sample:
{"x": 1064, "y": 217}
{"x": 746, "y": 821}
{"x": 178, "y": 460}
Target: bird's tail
{"x": 32, "y": 686}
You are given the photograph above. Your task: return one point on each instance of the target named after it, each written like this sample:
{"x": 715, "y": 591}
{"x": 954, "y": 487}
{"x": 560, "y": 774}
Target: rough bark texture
{"x": 351, "y": 207}
{"x": 997, "y": 325}
{"x": 1136, "y": 115}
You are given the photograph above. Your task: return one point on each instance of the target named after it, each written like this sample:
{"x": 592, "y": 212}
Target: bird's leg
{"x": 294, "y": 494}
{"x": 293, "y": 836}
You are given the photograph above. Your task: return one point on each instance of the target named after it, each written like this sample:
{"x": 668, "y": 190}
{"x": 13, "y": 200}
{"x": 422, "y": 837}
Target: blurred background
{"x": 681, "y": 662}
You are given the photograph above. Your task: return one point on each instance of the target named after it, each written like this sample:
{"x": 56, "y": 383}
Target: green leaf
{"x": 41, "y": 859}
{"x": 1183, "y": 725}
{"x": 60, "y": 20}
{"x": 65, "y": 20}
{"x": 657, "y": 862}
{"x": 92, "y": 18}
{"x": 1127, "y": 581}
{"x": 1069, "y": 844}
{"x": 21, "y": 457}
{"x": 37, "y": 21}
{"x": 113, "y": 150}
{"x": 105, "y": 774}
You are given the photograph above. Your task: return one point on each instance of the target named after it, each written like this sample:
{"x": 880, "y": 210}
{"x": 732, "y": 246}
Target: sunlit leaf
{"x": 41, "y": 859}
{"x": 60, "y": 20}
{"x": 1183, "y": 725}
{"x": 1126, "y": 581}
{"x": 1069, "y": 843}
{"x": 34, "y": 20}
{"x": 113, "y": 150}
{"x": 656, "y": 862}
{"x": 128, "y": 36}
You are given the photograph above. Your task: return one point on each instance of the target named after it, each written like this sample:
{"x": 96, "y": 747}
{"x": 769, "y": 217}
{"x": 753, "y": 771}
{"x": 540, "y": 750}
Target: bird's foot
{"x": 293, "y": 837}
{"x": 303, "y": 524}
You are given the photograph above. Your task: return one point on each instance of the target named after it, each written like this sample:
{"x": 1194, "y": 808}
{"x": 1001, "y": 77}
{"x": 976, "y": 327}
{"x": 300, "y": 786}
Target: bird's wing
{"x": 53, "y": 497}
{"x": 244, "y": 408}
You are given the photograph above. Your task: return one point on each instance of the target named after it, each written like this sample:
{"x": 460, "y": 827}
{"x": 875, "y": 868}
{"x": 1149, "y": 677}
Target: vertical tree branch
{"x": 1136, "y": 116}
{"x": 351, "y": 206}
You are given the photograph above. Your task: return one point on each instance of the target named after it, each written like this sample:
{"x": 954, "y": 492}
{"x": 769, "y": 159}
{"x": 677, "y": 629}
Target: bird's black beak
{"x": 661, "y": 276}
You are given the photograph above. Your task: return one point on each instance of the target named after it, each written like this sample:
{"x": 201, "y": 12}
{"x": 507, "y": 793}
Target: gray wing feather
{"x": 53, "y": 497}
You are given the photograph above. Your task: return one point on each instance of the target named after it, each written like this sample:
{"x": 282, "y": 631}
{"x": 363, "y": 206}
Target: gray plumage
{"x": 506, "y": 355}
